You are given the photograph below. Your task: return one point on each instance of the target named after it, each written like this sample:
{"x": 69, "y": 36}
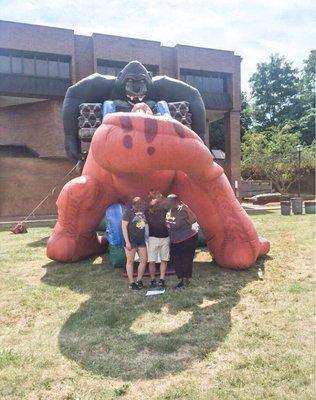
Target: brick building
{"x": 38, "y": 63}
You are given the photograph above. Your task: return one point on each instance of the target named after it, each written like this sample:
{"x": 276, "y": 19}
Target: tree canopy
{"x": 281, "y": 94}
{"x": 279, "y": 115}
{"x": 275, "y": 92}
{"x": 306, "y": 123}
{"x": 245, "y": 115}
{"x": 273, "y": 154}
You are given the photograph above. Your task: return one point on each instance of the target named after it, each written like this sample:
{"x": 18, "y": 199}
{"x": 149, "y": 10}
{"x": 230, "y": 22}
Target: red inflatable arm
{"x": 130, "y": 154}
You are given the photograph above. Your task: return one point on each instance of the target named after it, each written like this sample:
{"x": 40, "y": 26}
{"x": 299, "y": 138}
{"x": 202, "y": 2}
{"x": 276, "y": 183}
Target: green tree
{"x": 275, "y": 92}
{"x": 245, "y": 115}
{"x": 306, "y": 123}
{"x": 217, "y": 139}
{"x": 272, "y": 154}
{"x": 307, "y": 81}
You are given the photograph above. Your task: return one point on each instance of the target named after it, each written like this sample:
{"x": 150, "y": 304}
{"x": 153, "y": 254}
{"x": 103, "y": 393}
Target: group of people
{"x": 159, "y": 228}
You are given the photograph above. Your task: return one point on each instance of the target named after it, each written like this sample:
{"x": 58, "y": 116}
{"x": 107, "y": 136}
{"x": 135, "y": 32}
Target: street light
{"x": 299, "y": 149}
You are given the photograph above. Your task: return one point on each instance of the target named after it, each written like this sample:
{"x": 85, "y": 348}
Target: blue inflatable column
{"x": 113, "y": 216}
{"x": 108, "y": 108}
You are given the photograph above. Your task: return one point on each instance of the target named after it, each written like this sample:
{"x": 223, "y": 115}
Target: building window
{"x": 109, "y": 67}
{"x": 104, "y": 70}
{"x": 34, "y": 64}
{"x": 5, "y": 64}
{"x": 16, "y": 65}
{"x": 64, "y": 71}
{"x": 209, "y": 82}
{"x": 41, "y": 67}
{"x": 29, "y": 66}
{"x": 52, "y": 68}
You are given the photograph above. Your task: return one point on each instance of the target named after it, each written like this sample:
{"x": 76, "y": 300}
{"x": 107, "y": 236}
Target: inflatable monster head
{"x": 135, "y": 81}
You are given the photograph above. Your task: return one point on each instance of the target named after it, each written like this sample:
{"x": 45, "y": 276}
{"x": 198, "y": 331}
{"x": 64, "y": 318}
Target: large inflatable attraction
{"x": 149, "y": 136}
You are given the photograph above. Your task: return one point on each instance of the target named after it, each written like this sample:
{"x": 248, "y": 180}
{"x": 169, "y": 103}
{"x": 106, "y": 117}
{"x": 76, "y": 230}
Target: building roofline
{"x": 79, "y": 35}
{"x": 126, "y": 37}
{"x": 35, "y": 25}
{"x": 122, "y": 37}
{"x": 205, "y": 48}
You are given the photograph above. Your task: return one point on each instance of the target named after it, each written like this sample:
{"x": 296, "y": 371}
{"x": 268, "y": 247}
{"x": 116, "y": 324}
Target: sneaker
{"x": 161, "y": 283}
{"x": 140, "y": 285}
{"x": 153, "y": 283}
{"x": 134, "y": 286}
{"x": 180, "y": 286}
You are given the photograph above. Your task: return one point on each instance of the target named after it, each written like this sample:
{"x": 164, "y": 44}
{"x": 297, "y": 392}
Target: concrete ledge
{"x": 35, "y": 220}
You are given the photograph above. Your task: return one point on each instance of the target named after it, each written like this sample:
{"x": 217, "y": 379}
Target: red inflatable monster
{"x": 130, "y": 154}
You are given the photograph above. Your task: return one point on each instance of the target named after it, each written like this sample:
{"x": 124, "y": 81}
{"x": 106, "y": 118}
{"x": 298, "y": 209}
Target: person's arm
{"x": 125, "y": 223}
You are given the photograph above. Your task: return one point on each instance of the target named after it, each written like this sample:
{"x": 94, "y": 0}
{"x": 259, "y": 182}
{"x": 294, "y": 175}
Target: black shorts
{"x": 137, "y": 243}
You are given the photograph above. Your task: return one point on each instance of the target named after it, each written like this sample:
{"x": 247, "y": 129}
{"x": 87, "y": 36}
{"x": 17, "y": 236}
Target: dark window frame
{"x": 37, "y": 56}
{"x": 184, "y": 72}
{"x": 17, "y": 150}
{"x": 152, "y": 68}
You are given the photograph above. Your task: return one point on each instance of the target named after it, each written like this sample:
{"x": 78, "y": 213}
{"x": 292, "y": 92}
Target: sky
{"x": 253, "y": 29}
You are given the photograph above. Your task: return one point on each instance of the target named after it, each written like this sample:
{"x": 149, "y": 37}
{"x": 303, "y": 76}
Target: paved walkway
{"x": 266, "y": 207}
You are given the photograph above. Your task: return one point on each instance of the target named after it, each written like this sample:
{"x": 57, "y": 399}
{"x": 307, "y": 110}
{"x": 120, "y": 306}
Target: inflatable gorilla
{"x": 134, "y": 84}
{"x": 134, "y": 152}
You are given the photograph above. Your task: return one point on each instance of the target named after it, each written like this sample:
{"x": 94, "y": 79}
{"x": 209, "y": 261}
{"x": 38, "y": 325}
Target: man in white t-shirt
{"x": 158, "y": 246}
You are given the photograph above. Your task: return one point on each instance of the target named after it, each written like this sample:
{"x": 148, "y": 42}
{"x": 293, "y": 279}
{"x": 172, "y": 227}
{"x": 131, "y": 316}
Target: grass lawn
{"x": 75, "y": 332}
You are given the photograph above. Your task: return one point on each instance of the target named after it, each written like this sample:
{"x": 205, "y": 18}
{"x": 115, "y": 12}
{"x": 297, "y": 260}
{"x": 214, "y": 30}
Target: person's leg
{"x": 163, "y": 268}
{"x": 152, "y": 269}
{"x": 152, "y": 255}
{"x": 152, "y": 272}
{"x": 142, "y": 252}
{"x": 130, "y": 257}
{"x": 164, "y": 256}
{"x": 175, "y": 258}
{"x": 188, "y": 256}
{"x": 185, "y": 259}
{"x": 177, "y": 263}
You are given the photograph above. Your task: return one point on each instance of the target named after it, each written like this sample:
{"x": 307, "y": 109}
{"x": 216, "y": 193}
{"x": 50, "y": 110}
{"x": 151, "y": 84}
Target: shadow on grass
{"x": 39, "y": 243}
{"x": 126, "y": 335}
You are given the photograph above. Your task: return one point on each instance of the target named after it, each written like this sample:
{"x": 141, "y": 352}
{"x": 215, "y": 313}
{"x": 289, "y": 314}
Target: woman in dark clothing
{"x": 133, "y": 227}
{"x": 183, "y": 239}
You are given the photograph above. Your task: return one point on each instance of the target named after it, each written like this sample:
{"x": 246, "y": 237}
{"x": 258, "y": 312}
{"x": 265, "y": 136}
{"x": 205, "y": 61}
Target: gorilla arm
{"x": 94, "y": 89}
{"x": 173, "y": 90}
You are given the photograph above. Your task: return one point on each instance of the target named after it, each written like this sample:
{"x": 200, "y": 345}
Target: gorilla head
{"x": 135, "y": 80}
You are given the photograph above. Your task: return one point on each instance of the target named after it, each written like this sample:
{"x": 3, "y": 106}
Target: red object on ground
{"x": 19, "y": 228}
{"x": 130, "y": 154}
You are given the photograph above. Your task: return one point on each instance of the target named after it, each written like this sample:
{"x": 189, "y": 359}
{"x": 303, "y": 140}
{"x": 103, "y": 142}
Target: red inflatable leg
{"x": 81, "y": 205}
{"x": 231, "y": 237}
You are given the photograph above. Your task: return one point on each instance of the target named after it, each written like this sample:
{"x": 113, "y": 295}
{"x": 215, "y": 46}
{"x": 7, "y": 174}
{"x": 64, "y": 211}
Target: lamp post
{"x": 299, "y": 149}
